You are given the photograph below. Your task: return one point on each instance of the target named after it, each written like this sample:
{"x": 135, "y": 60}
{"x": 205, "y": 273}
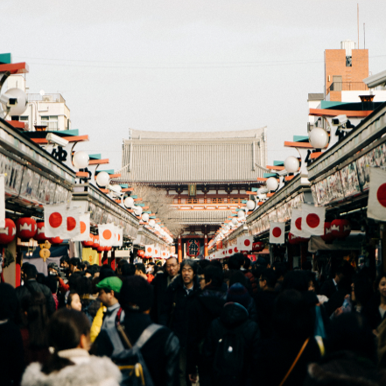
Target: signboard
{"x": 193, "y": 248}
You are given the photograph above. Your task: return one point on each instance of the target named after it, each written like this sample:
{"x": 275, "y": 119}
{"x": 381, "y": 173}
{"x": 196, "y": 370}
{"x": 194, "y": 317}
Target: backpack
{"x": 130, "y": 361}
{"x": 229, "y": 358}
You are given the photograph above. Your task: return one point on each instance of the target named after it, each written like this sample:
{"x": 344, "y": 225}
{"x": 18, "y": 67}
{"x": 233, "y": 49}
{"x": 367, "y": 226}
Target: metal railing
{"x": 53, "y": 97}
{"x": 347, "y": 86}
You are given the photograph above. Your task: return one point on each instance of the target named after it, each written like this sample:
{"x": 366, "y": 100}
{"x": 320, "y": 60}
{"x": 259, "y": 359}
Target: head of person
{"x": 292, "y": 318}
{"x": 247, "y": 263}
{"x": 226, "y": 266}
{"x": 51, "y": 283}
{"x": 188, "y": 272}
{"x": 236, "y": 261}
{"x": 262, "y": 262}
{"x": 136, "y": 295}
{"x": 74, "y": 264}
{"x": 172, "y": 266}
{"x": 65, "y": 262}
{"x": 9, "y": 304}
{"x": 267, "y": 279}
{"x": 200, "y": 276}
{"x": 238, "y": 277}
{"x": 312, "y": 284}
{"x": 380, "y": 285}
{"x": 128, "y": 269}
{"x": 121, "y": 263}
{"x": 106, "y": 271}
{"x": 296, "y": 280}
{"x": 140, "y": 270}
{"x": 237, "y": 293}
{"x": 109, "y": 290}
{"x": 73, "y": 301}
{"x": 280, "y": 270}
{"x": 67, "y": 329}
{"x": 53, "y": 269}
{"x": 213, "y": 276}
{"x": 29, "y": 272}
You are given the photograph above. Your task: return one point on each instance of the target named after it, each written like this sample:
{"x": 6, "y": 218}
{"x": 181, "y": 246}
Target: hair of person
{"x": 82, "y": 266}
{"x": 203, "y": 263}
{"x": 257, "y": 270}
{"x": 51, "y": 283}
{"x": 74, "y": 281}
{"x": 65, "y": 259}
{"x": 136, "y": 294}
{"x": 122, "y": 262}
{"x": 64, "y": 332}
{"x": 40, "y": 278}
{"x": 106, "y": 271}
{"x": 280, "y": 270}
{"x": 269, "y": 275}
{"x": 247, "y": 262}
{"x": 70, "y": 297}
{"x": 140, "y": 267}
{"x": 9, "y": 305}
{"x": 191, "y": 263}
{"x": 238, "y": 277}
{"x": 236, "y": 261}
{"x": 307, "y": 266}
{"x": 292, "y": 318}
{"x": 30, "y": 271}
{"x": 74, "y": 261}
{"x": 378, "y": 280}
{"x": 211, "y": 272}
{"x": 216, "y": 263}
{"x": 35, "y": 305}
{"x": 296, "y": 280}
{"x": 128, "y": 269}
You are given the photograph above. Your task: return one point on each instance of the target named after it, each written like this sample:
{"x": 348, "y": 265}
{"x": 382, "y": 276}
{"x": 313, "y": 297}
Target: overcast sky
{"x": 185, "y": 65}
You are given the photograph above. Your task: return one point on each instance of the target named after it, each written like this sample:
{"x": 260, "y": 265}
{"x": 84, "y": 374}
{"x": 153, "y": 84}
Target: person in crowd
{"x": 120, "y": 264}
{"x": 140, "y": 270}
{"x": 231, "y": 347}
{"x": 11, "y": 344}
{"x": 54, "y": 271}
{"x": 265, "y": 300}
{"x": 283, "y": 359}
{"x": 52, "y": 284}
{"x": 160, "y": 351}
{"x": 161, "y": 282}
{"x": 236, "y": 261}
{"x": 35, "y": 318}
{"x": 75, "y": 265}
{"x": 128, "y": 270}
{"x": 205, "y": 308}
{"x": 109, "y": 289}
{"x": 280, "y": 271}
{"x": 225, "y": 266}
{"x": 330, "y": 286}
{"x": 73, "y": 301}
{"x": 31, "y": 286}
{"x": 71, "y": 364}
{"x": 246, "y": 268}
{"x": 313, "y": 286}
{"x": 179, "y": 296}
{"x": 65, "y": 266}
{"x": 375, "y": 309}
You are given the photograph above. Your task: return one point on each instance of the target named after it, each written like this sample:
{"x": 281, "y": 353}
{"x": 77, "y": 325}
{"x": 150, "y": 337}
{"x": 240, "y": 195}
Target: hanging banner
{"x": 72, "y": 224}
{"x": 193, "y": 248}
{"x": 149, "y": 250}
{"x": 244, "y": 243}
{"x": 55, "y": 220}
{"x": 276, "y": 233}
{"x": 376, "y": 208}
{"x": 84, "y": 234}
{"x": 106, "y": 235}
{"x": 312, "y": 220}
{"x": 296, "y": 223}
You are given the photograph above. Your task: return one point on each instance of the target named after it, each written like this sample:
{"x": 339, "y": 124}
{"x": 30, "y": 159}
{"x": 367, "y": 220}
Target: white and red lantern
{"x": 55, "y": 240}
{"x": 40, "y": 233}
{"x": 96, "y": 242}
{"x": 88, "y": 243}
{"x": 340, "y": 228}
{"x": 26, "y": 228}
{"x": 328, "y": 236}
{"x": 258, "y": 246}
{"x": 292, "y": 239}
{"x": 8, "y": 233}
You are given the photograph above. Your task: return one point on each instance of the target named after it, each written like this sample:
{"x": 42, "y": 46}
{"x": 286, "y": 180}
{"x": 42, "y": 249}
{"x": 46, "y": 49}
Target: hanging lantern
{"x": 88, "y": 243}
{"x": 140, "y": 253}
{"x": 292, "y": 239}
{"x": 318, "y": 138}
{"x": 145, "y": 217}
{"x": 291, "y": 164}
{"x": 81, "y": 160}
{"x": 40, "y": 233}
{"x": 100, "y": 249}
{"x": 328, "y": 236}
{"x": 96, "y": 242}
{"x": 26, "y": 228}
{"x": 55, "y": 240}
{"x": 340, "y": 228}
{"x": 8, "y": 233}
{"x": 258, "y": 246}
{"x": 272, "y": 184}
{"x": 241, "y": 214}
{"x": 235, "y": 221}
{"x": 251, "y": 205}
{"x": 108, "y": 248}
{"x": 138, "y": 210}
{"x": 102, "y": 179}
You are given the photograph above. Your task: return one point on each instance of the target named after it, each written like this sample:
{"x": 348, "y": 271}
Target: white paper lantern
{"x": 152, "y": 223}
{"x": 80, "y": 160}
{"x": 129, "y": 202}
{"x": 272, "y": 184}
{"x": 157, "y": 228}
{"x": 115, "y": 188}
{"x": 291, "y": 164}
{"x": 251, "y": 205}
{"x": 138, "y": 210}
{"x": 318, "y": 138}
{"x": 234, "y": 221}
{"x": 145, "y": 217}
{"x": 103, "y": 179}
{"x": 240, "y": 214}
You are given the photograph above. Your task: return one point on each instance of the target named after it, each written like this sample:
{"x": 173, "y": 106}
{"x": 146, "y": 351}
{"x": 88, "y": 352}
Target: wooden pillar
{"x": 179, "y": 249}
{"x": 112, "y": 260}
{"x": 206, "y": 246}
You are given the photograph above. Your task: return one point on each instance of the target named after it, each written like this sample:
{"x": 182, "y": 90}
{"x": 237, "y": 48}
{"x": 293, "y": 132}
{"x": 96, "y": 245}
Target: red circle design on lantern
{"x": 8, "y": 233}
{"x": 237, "y": 250}
{"x": 313, "y": 220}
{"x": 55, "y": 220}
{"x": 107, "y": 234}
{"x": 55, "y": 240}
{"x": 247, "y": 243}
{"x": 71, "y": 223}
{"x": 40, "y": 232}
{"x": 276, "y": 232}
{"x": 298, "y": 223}
{"x": 381, "y": 195}
{"x": 26, "y": 228}
{"x": 83, "y": 227}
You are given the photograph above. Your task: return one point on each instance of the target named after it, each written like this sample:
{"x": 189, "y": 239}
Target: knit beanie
{"x": 136, "y": 294}
{"x": 238, "y": 293}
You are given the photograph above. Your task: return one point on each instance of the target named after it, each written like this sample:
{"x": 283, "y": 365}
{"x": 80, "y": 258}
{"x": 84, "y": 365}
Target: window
{"x": 23, "y": 118}
{"x": 51, "y": 121}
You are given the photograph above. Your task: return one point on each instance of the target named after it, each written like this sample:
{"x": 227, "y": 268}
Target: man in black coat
{"x": 179, "y": 296}
{"x": 161, "y": 351}
{"x": 205, "y": 308}
{"x": 161, "y": 283}
{"x": 31, "y": 286}
{"x": 330, "y": 286}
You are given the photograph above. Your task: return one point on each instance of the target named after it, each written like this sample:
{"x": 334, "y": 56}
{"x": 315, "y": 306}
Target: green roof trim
{"x": 108, "y": 171}
{"x": 267, "y": 175}
{"x": 300, "y": 138}
{"x": 255, "y": 189}
{"x": 244, "y": 201}
{"x": 141, "y": 204}
{"x": 95, "y": 156}
{"x": 134, "y": 196}
{"x": 6, "y": 58}
{"x": 124, "y": 186}
{"x": 278, "y": 163}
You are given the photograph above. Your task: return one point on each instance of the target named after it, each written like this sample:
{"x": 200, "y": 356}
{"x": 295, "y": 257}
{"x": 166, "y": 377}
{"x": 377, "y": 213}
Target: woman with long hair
{"x": 70, "y": 364}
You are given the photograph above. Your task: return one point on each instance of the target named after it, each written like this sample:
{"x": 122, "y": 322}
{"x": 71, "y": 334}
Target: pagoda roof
{"x": 200, "y": 217}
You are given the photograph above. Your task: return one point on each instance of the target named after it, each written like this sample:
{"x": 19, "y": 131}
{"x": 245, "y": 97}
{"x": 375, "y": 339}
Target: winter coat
{"x": 30, "y": 287}
{"x": 371, "y": 312}
{"x": 160, "y": 284}
{"x": 252, "y": 280}
{"x": 97, "y": 323}
{"x": 328, "y": 288}
{"x": 233, "y": 316}
{"x": 265, "y": 301}
{"x": 160, "y": 352}
{"x": 175, "y": 308}
{"x": 205, "y": 308}
{"x": 87, "y": 371}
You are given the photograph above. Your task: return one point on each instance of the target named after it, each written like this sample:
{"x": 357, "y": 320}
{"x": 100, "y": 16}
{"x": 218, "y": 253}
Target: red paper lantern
{"x": 328, "y": 236}
{"x": 108, "y": 249}
{"x": 258, "y": 246}
{"x": 40, "y": 233}
{"x": 96, "y": 242}
{"x": 141, "y": 253}
{"x": 340, "y": 228}
{"x": 292, "y": 239}
{"x": 8, "y": 233}
{"x": 88, "y": 243}
{"x": 26, "y": 228}
{"x": 100, "y": 249}
{"x": 55, "y": 240}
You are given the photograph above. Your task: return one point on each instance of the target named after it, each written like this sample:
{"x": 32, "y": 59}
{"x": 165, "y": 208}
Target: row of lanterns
{"x": 93, "y": 242}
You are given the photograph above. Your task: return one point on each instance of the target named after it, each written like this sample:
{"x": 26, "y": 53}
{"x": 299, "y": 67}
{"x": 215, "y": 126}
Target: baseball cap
{"x": 111, "y": 283}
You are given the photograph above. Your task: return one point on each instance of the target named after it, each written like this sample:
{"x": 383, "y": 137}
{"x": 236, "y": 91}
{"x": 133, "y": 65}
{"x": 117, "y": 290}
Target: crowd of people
{"x": 195, "y": 322}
